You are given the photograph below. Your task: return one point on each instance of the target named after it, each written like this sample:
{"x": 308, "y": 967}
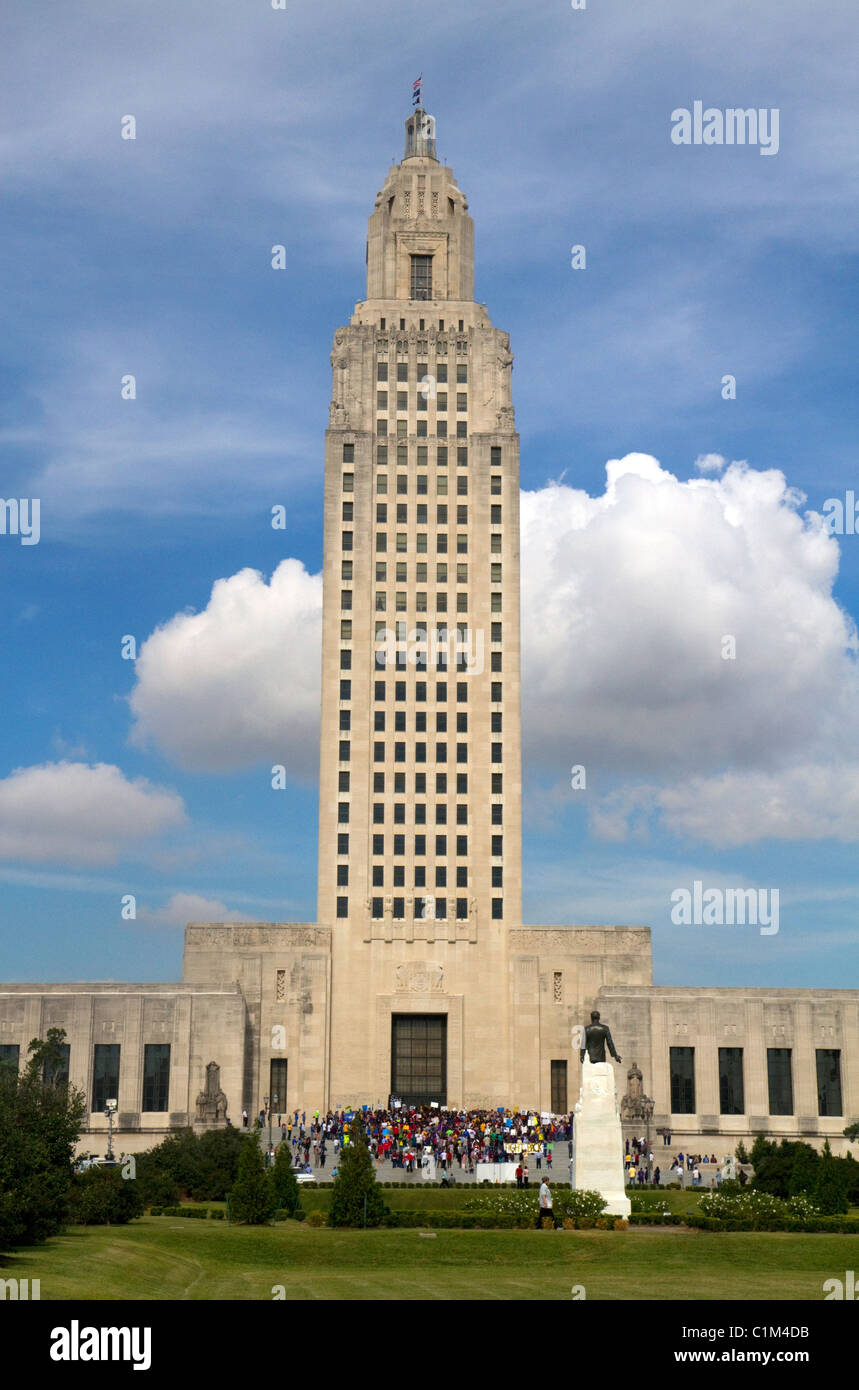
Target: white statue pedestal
{"x": 598, "y": 1137}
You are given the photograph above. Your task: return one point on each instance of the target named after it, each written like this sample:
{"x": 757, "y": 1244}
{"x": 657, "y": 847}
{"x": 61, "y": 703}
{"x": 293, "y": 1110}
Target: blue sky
{"x": 258, "y": 127}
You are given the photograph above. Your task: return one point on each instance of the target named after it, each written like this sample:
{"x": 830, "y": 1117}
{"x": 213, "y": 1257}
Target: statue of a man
{"x": 597, "y": 1037}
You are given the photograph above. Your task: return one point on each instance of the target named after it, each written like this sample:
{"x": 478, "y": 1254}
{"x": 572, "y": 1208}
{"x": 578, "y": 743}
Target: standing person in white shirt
{"x": 546, "y": 1202}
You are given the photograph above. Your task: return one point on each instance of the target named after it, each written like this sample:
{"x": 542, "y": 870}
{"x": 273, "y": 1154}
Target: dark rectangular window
{"x": 10, "y": 1054}
{"x": 342, "y": 844}
{"x": 497, "y": 909}
{"x": 419, "y": 1057}
{"x": 342, "y": 875}
{"x": 731, "y": 1092}
{"x": 345, "y": 747}
{"x": 378, "y": 905}
{"x": 497, "y": 845}
{"x": 829, "y": 1100}
{"x": 497, "y": 815}
{"x": 780, "y": 1080}
{"x": 105, "y": 1075}
{"x": 345, "y": 690}
{"x": 277, "y": 1084}
{"x": 420, "y": 846}
{"x": 420, "y": 279}
{"x": 462, "y": 844}
{"x": 497, "y": 752}
{"x": 461, "y": 909}
{"x": 378, "y": 844}
{"x": 342, "y": 907}
{"x": 497, "y": 876}
{"x": 156, "y": 1076}
{"x": 682, "y": 1067}
{"x": 399, "y": 845}
{"x": 348, "y": 453}
{"x": 558, "y": 1079}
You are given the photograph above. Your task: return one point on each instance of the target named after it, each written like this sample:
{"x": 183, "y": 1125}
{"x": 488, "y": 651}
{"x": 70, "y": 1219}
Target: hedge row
{"x": 841, "y": 1225}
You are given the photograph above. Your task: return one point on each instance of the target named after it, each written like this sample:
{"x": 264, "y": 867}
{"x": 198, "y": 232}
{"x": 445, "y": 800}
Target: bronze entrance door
{"x": 419, "y": 1058}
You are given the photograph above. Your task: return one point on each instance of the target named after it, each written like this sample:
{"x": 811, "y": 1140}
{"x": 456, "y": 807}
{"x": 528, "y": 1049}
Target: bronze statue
{"x": 597, "y": 1036}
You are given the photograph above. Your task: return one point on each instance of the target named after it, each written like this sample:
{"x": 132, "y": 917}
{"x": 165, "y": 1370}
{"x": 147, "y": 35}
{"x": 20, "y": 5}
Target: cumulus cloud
{"x": 633, "y": 602}
{"x": 627, "y": 601}
{"x": 76, "y": 813}
{"x": 238, "y": 683}
{"x": 710, "y": 463}
{"x": 182, "y": 908}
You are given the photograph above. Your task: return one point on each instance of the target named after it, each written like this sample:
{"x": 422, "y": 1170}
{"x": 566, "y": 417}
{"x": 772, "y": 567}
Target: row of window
{"x": 380, "y": 691}
{"x": 779, "y": 1081}
{"x": 419, "y": 846}
{"x": 418, "y": 752}
{"x": 440, "y": 372}
{"x": 420, "y": 400}
{"x": 417, "y": 659}
{"x": 422, "y": 455}
{"x": 105, "y": 1073}
{"x": 420, "y": 787}
{"x": 420, "y": 876}
{"x": 380, "y": 719}
{"x": 422, "y": 490}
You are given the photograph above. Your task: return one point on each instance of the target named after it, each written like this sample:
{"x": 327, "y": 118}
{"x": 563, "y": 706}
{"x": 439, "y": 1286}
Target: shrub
{"x": 830, "y": 1187}
{"x": 356, "y": 1199}
{"x": 252, "y": 1198}
{"x": 580, "y": 1202}
{"x": 620, "y": 1224}
{"x": 101, "y": 1197}
{"x": 283, "y": 1181}
{"x": 314, "y": 1218}
{"x": 568, "y": 1223}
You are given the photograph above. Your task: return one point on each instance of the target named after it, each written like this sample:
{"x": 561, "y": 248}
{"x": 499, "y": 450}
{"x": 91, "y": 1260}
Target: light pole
{"x": 265, "y": 1101}
{"x": 110, "y": 1111}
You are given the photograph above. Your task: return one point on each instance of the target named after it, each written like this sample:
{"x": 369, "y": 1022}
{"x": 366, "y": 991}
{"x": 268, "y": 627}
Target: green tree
{"x": 283, "y": 1181}
{"x": 741, "y": 1153}
{"x": 804, "y": 1171}
{"x": 761, "y": 1148}
{"x": 852, "y": 1131}
{"x": 356, "y": 1198}
{"x": 102, "y": 1197}
{"x": 252, "y": 1198}
{"x": 830, "y": 1187}
{"x": 40, "y": 1124}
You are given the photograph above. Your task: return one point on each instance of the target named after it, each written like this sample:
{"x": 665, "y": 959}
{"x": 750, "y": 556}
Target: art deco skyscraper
{"x": 420, "y": 780}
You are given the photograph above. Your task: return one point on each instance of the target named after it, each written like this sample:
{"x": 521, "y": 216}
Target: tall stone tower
{"x": 420, "y": 779}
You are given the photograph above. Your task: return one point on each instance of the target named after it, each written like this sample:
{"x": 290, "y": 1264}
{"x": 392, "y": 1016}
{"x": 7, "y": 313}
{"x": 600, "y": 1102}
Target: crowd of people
{"x": 409, "y": 1137}
{"x": 414, "y": 1139}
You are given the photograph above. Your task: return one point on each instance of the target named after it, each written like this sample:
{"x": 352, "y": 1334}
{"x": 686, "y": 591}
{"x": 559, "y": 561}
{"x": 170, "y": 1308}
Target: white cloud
{"x": 77, "y": 814}
{"x": 238, "y": 683}
{"x": 627, "y": 601}
{"x": 182, "y": 908}
{"x": 710, "y": 463}
{"x": 627, "y": 598}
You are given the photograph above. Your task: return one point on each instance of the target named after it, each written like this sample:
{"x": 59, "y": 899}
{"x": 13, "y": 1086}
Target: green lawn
{"x": 172, "y": 1258}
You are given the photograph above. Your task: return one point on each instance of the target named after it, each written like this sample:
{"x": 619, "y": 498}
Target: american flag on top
{"x": 416, "y": 90}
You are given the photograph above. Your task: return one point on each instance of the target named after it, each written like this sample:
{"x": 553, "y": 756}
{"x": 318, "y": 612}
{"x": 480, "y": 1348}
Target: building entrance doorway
{"x": 419, "y": 1058}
